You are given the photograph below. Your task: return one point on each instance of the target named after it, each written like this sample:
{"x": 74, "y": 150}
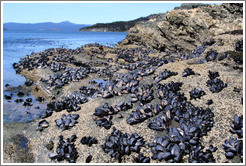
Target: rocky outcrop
{"x": 182, "y": 30}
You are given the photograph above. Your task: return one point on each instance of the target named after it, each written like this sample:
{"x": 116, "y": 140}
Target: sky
{"x": 81, "y": 13}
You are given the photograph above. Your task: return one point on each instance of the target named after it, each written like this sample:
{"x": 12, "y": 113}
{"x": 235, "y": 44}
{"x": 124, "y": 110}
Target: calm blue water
{"x": 18, "y": 44}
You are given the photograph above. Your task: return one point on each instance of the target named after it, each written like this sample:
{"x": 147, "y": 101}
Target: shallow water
{"x": 18, "y": 44}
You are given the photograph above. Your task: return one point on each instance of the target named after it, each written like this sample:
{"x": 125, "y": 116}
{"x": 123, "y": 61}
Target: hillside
{"x": 62, "y": 26}
{"x": 118, "y": 26}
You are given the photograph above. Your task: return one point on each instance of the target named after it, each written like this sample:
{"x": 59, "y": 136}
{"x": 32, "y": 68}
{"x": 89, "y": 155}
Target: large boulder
{"x": 182, "y": 30}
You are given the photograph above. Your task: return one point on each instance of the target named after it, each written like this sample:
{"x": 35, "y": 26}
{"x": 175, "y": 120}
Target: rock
{"x": 185, "y": 29}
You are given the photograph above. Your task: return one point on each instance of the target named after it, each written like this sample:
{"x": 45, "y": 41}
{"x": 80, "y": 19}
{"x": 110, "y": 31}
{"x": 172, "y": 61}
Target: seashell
{"x": 229, "y": 155}
{"x": 52, "y": 156}
{"x": 88, "y": 159}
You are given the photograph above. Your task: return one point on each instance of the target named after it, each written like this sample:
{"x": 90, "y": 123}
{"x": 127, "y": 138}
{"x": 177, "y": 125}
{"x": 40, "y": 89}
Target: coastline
{"x": 86, "y": 126}
{"x": 102, "y": 74}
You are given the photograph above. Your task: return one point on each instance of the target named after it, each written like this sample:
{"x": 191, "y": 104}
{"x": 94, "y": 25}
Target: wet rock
{"x": 19, "y": 100}
{"x": 20, "y": 94}
{"x": 7, "y": 97}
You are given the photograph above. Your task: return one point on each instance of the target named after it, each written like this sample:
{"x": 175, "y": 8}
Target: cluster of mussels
{"x": 42, "y": 59}
{"x": 103, "y": 114}
{"x": 194, "y": 123}
{"x": 141, "y": 114}
{"x": 216, "y": 85}
{"x": 126, "y": 57}
{"x": 197, "y": 52}
{"x": 119, "y": 144}
{"x": 65, "y": 150}
{"x": 187, "y": 72}
{"x": 173, "y": 147}
{"x": 143, "y": 93}
{"x": 55, "y": 67}
{"x": 234, "y": 146}
{"x": 88, "y": 140}
{"x": 67, "y": 121}
{"x": 237, "y": 126}
{"x": 196, "y": 93}
{"x": 64, "y": 58}
{"x": 164, "y": 75}
{"x": 70, "y": 103}
{"x": 58, "y": 80}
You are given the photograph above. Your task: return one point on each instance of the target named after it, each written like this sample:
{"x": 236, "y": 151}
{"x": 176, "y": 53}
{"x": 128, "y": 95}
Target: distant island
{"x": 118, "y": 26}
{"x": 4, "y": 29}
{"x": 45, "y": 26}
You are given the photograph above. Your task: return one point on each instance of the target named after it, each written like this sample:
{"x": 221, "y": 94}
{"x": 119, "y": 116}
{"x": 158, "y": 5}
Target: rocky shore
{"x": 159, "y": 96}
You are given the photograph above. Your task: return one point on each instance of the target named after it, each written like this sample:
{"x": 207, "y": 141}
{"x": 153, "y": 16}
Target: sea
{"x": 18, "y": 44}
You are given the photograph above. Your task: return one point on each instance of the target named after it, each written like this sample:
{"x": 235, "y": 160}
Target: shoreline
{"x": 170, "y": 94}
{"x": 87, "y": 109}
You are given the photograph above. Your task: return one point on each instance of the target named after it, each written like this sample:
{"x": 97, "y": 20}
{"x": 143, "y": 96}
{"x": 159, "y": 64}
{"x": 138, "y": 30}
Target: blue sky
{"x": 81, "y": 13}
